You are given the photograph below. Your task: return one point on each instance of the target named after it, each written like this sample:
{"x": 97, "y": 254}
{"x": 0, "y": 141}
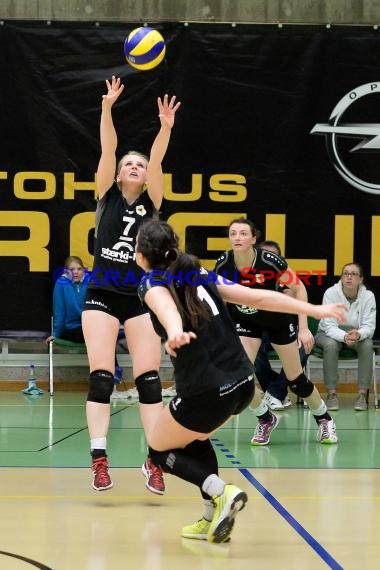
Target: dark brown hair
{"x": 255, "y": 232}
{"x": 158, "y": 243}
{"x": 268, "y": 242}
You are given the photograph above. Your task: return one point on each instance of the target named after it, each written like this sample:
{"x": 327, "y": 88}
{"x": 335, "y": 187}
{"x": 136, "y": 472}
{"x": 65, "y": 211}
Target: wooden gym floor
{"x": 310, "y": 506}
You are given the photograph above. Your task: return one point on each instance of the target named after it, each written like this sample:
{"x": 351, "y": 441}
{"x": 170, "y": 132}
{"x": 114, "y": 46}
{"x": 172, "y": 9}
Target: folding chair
{"x": 72, "y": 347}
{"x": 376, "y": 365}
{"x": 76, "y": 347}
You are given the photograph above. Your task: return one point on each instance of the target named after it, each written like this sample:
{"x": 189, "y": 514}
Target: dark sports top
{"x": 216, "y": 357}
{"x": 263, "y": 274}
{"x": 117, "y": 225}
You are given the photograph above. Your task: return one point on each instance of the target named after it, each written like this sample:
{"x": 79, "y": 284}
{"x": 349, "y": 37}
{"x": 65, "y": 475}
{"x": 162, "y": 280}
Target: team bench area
{"x": 69, "y": 365}
{"x": 66, "y": 362}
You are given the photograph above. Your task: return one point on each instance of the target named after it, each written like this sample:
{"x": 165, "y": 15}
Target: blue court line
{"x": 304, "y": 534}
{"x": 318, "y": 548}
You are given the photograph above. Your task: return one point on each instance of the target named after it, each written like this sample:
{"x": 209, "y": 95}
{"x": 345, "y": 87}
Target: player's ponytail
{"x": 185, "y": 272}
{"x": 158, "y": 243}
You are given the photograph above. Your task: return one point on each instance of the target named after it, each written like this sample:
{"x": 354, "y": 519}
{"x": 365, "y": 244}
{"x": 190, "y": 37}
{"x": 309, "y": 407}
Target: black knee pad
{"x": 148, "y": 386}
{"x": 164, "y": 459}
{"x": 203, "y": 451}
{"x": 101, "y": 387}
{"x": 301, "y": 386}
{"x": 198, "y": 448}
{"x": 178, "y": 462}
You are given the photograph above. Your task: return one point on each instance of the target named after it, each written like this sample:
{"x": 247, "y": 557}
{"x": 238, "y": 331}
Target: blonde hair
{"x": 72, "y": 258}
{"x": 137, "y": 153}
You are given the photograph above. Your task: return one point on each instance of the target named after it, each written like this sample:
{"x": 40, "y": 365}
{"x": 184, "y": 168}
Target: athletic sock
{"x": 98, "y": 447}
{"x": 213, "y": 486}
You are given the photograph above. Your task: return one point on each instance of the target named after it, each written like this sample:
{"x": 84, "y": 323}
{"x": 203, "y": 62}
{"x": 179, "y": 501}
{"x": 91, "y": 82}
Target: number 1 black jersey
{"x": 117, "y": 225}
{"x": 216, "y": 357}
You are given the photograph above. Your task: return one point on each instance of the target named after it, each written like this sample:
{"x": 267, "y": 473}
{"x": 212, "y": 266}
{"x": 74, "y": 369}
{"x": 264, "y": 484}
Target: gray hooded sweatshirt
{"x": 361, "y": 313}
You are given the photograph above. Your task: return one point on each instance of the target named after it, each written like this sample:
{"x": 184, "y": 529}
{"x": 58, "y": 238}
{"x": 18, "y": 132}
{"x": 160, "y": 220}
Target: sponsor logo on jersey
{"x": 175, "y": 403}
{"x": 123, "y": 256}
{"x": 140, "y": 210}
{"x": 246, "y": 309}
{"x": 241, "y": 329}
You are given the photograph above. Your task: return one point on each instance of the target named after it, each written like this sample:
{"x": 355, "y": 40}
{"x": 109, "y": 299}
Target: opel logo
{"x": 368, "y": 133}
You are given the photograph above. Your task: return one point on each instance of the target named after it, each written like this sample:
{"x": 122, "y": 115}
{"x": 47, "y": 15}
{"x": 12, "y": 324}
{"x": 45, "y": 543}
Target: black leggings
{"x": 194, "y": 463}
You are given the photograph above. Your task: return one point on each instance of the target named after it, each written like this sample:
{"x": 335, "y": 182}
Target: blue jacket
{"x": 68, "y": 299}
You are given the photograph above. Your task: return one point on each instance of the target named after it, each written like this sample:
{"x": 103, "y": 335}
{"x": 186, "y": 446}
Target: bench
{"x": 18, "y": 347}
{"x": 315, "y": 363}
{"x": 22, "y": 348}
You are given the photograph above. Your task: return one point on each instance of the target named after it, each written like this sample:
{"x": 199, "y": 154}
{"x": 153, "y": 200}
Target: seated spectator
{"x": 273, "y": 383}
{"x": 68, "y": 298}
{"x": 356, "y": 334}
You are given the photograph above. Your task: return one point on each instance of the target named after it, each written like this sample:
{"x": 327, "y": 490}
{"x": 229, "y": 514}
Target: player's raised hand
{"x": 114, "y": 90}
{"x": 167, "y": 110}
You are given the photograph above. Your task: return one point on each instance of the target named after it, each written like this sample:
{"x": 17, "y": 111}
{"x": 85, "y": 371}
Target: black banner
{"x": 242, "y": 145}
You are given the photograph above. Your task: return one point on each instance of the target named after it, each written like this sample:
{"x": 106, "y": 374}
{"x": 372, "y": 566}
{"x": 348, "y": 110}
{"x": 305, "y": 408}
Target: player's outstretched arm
{"x": 108, "y": 138}
{"x": 155, "y": 178}
{"x": 278, "y": 302}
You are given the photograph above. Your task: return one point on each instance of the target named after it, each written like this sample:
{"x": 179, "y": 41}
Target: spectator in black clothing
{"x": 273, "y": 383}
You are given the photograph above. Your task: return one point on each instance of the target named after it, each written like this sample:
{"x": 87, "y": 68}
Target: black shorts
{"x": 286, "y": 334}
{"x": 208, "y": 411}
{"x": 123, "y": 307}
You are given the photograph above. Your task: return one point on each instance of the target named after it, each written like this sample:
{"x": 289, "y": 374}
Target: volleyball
{"x": 144, "y": 48}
